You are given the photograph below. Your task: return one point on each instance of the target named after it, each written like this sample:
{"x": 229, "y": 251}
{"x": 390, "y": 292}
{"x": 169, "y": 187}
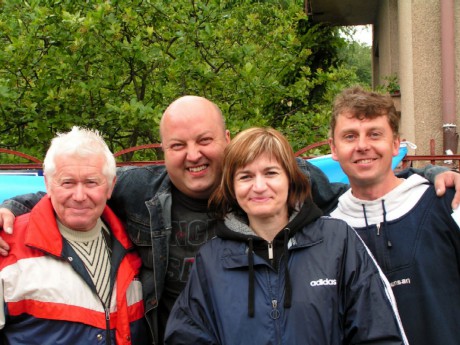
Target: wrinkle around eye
{"x": 206, "y": 141}
{"x": 176, "y": 147}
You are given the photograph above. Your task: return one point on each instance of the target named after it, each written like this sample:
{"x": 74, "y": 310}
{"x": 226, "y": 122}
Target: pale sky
{"x": 364, "y": 34}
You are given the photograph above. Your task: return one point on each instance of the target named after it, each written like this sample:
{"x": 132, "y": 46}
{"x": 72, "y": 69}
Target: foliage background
{"x": 116, "y": 65}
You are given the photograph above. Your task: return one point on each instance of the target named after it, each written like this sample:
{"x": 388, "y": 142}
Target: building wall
{"x": 457, "y": 61}
{"x": 407, "y": 36}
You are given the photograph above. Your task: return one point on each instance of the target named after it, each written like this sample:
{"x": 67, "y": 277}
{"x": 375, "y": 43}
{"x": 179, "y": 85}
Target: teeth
{"x": 364, "y": 161}
{"x": 197, "y": 169}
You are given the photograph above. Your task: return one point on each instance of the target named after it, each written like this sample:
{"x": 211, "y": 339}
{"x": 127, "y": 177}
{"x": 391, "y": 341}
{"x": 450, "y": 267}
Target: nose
{"x": 79, "y": 193}
{"x": 259, "y": 184}
{"x": 362, "y": 143}
{"x": 193, "y": 152}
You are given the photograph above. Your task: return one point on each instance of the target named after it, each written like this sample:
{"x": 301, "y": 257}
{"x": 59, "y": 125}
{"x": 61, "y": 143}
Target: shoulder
{"x": 304, "y": 165}
{"x": 332, "y": 224}
{"x": 439, "y": 202}
{"x": 142, "y": 178}
{"x": 147, "y": 170}
{"x": 221, "y": 247}
{"x": 325, "y": 230}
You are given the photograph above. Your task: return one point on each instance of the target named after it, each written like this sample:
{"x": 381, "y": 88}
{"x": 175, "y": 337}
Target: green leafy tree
{"x": 116, "y": 65}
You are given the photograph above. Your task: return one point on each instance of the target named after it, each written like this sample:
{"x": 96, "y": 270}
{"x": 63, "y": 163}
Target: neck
{"x": 374, "y": 191}
{"x": 268, "y": 228}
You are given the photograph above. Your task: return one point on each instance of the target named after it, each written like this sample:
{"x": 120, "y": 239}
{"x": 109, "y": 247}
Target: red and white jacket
{"x": 48, "y": 297}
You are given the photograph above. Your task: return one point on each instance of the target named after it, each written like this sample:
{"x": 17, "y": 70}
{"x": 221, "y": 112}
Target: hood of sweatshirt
{"x": 393, "y": 205}
{"x": 275, "y": 252}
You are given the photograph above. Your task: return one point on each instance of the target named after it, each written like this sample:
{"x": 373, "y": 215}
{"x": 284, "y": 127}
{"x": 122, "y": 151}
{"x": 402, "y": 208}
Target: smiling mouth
{"x": 365, "y": 161}
{"x": 197, "y": 169}
{"x": 260, "y": 199}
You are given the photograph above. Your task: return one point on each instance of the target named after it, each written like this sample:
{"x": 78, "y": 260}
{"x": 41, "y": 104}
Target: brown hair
{"x": 247, "y": 146}
{"x": 364, "y": 105}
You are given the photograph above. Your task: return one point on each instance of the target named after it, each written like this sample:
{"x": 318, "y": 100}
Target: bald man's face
{"x": 193, "y": 140}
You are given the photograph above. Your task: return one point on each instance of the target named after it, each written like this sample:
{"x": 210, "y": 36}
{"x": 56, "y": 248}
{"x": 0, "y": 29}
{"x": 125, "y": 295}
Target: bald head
{"x": 190, "y": 107}
{"x": 193, "y": 138}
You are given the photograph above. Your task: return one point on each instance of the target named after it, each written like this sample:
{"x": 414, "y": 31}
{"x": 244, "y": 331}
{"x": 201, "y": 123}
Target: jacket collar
{"x": 303, "y": 233}
{"x": 236, "y": 228}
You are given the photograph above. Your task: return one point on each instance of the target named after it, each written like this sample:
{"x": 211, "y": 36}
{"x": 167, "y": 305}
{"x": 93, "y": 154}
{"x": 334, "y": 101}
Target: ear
{"x": 227, "y": 136}
{"x": 109, "y": 192}
{"x": 333, "y": 149}
{"x": 47, "y": 185}
{"x": 396, "y": 144}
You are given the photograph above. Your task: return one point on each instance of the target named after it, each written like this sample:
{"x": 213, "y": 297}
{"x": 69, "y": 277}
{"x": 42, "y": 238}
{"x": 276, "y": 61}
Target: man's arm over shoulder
{"x": 135, "y": 185}
{"x": 22, "y": 204}
{"x": 325, "y": 194}
{"x": 15, "y": 207}
{"x": 440, "y": 176}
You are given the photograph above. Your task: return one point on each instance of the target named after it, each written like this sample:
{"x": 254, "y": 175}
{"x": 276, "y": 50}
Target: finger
{"x": 4, "y": 246}
{"x": 8, "y": 224}
{"x": 440, "y": 187}
{"x": 456, "y": 200}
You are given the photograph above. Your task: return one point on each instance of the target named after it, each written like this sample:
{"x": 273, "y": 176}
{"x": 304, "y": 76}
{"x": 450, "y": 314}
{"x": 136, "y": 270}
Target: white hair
{"x": 82, "y": 142}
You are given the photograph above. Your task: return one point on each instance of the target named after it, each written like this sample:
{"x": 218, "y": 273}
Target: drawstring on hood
{"x": 236, "y": 228}
{"x": 251, "y": 278}
{"x": 398, "y": 202}
{"x": 365, "y": 216}
{"x": 389, "y": 245}
{"x": 287, "y": 283}
{"x": 384, "y": 215}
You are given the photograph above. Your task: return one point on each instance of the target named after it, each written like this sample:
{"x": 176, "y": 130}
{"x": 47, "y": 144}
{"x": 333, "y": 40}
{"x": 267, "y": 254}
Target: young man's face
{"x": 364, "y": 149}
{"x": 193, "y": 140}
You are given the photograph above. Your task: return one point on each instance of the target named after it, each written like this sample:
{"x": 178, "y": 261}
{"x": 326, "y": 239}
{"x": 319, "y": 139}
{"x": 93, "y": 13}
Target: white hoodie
{"x": 397, "y": 203}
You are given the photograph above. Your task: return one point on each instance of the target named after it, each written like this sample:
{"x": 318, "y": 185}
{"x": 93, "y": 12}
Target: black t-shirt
{"x": 191, "y": 228}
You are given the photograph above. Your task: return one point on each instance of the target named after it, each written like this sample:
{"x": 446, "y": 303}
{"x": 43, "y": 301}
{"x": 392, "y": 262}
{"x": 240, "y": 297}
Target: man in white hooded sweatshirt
{"x": 408, "y": 229}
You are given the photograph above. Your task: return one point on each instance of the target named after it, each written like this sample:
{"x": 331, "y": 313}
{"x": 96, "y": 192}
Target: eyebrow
{"x": 277, "y": 167}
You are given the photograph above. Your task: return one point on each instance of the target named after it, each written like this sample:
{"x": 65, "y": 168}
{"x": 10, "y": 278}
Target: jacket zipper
{"x": 270, "y": 251}
{"x": 107, "y": 327}
{"x": 275, "y": 313}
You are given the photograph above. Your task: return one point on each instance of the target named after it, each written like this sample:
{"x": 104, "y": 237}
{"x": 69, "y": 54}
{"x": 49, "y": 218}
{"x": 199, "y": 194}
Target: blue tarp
{"x": 17, "y": 183}
{"x": 12, "y": 185}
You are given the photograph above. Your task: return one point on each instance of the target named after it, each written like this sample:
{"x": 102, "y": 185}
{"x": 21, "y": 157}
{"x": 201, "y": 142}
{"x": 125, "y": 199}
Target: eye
{"x": 205, "y": 141}
{"x": 67, "y": 184}
{"x": 375, "y": 135}
{"x": 272, "y": 173}
{"x": 92, "y": 183}
{"x": 243, "y": 176}
{"x": 349, "y": 137}
{"x": 176, "y": 146}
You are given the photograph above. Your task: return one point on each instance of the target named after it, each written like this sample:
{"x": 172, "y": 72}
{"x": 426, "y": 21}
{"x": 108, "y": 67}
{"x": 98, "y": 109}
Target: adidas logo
{"x": 321, "y": 282}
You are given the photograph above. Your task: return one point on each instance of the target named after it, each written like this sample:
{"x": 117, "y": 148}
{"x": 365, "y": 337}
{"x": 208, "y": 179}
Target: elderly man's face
{"x": 78, "y": 190}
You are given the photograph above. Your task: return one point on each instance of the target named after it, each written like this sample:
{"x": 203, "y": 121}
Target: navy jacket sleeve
{"x": 22, "y": 204}
{"x": 190, "y": 321}
{"x": 365, "y": 288}
{"x": 325, "y": 194}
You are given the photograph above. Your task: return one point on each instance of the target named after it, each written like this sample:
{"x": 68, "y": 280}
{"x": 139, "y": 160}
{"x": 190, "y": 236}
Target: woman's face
{"x": 261, "y": 189}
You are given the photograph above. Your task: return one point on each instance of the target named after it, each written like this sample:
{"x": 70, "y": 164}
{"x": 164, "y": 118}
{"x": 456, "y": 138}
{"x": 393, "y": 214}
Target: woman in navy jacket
{"x": 278, "y": 272}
